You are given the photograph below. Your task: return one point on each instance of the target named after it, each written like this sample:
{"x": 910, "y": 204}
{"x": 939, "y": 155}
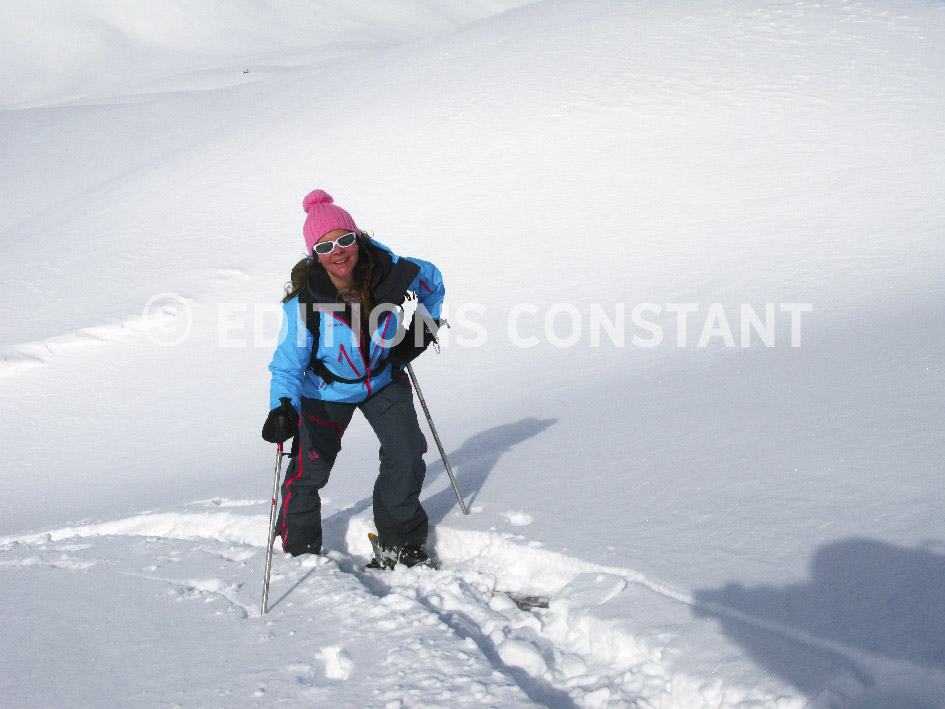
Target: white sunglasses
{"x": 323, "y": 248}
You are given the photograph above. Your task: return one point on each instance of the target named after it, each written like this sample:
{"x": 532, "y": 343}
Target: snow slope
{"x": 716, "y": 525}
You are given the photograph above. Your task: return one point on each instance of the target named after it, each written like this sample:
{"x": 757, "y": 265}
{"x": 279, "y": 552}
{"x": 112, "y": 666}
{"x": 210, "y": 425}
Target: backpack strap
{"x": 317, "y": 366}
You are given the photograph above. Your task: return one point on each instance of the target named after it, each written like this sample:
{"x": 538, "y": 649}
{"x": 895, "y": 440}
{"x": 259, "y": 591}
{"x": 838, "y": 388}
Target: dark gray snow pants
{"x": 398, "y": 515}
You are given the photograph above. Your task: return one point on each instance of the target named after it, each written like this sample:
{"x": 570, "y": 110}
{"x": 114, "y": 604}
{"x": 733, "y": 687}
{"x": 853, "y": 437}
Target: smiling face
{"x": 340, "y": 262}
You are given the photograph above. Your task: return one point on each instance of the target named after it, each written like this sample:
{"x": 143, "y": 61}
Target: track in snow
{"x": 180, "y": 591}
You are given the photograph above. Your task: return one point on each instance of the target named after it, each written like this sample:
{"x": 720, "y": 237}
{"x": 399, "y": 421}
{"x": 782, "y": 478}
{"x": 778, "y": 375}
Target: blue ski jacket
{"x": 342, "y": 344}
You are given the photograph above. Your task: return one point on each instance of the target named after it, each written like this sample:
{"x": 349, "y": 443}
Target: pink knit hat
{"x": 323, "y": 217}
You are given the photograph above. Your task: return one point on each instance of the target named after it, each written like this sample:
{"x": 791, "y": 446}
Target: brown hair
{"x": 363, "y": 275}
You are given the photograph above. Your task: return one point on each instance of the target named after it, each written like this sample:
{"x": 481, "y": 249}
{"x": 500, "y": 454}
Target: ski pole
{"x": 449, "y": 471}
{"x": 272, "y": 529}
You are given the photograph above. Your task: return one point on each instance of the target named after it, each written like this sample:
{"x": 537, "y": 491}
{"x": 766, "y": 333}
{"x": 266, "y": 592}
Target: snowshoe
{"x": 527, "y": 603}
{"x": 387, "y": 556}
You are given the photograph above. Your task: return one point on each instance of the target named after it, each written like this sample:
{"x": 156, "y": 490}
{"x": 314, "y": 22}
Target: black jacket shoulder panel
{"x": 392, "y": 279}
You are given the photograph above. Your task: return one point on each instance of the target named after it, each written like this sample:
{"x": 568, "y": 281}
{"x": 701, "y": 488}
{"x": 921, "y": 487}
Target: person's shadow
{"x": 475, "y": 460}
{"x": 870, "y": 610}
{"x": 472, "y": 464}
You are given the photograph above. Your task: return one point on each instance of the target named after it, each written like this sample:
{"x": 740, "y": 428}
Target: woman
{"x": 336, "y": 353}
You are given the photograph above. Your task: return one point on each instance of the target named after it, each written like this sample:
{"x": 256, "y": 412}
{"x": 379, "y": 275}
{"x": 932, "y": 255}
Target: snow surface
{"x": 716, "y": 525}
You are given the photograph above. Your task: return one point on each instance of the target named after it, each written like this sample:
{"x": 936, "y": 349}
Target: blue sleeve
{"x": 428, "y": 285}
{"x": 291, "y": 358}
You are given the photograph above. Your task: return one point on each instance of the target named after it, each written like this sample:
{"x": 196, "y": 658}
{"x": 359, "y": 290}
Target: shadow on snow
{"x": 472, "y": 464}
{"x": 863, "y": 594}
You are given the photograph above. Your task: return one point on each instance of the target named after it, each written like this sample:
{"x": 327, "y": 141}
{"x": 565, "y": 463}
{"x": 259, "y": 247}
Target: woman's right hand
{"x": 281, "y": 424}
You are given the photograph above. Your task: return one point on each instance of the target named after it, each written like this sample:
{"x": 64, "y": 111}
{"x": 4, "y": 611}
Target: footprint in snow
{"x": 517, "y": 519}
{"x": 338, "y": 663}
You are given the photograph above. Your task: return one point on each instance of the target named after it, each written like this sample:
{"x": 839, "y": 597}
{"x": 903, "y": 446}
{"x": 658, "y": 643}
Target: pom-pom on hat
{"x": 323, "y": 216}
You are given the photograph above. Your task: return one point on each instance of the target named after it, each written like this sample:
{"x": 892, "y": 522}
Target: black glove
{"x": 408, "y": 349}
{"x": 281, "y": 424}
